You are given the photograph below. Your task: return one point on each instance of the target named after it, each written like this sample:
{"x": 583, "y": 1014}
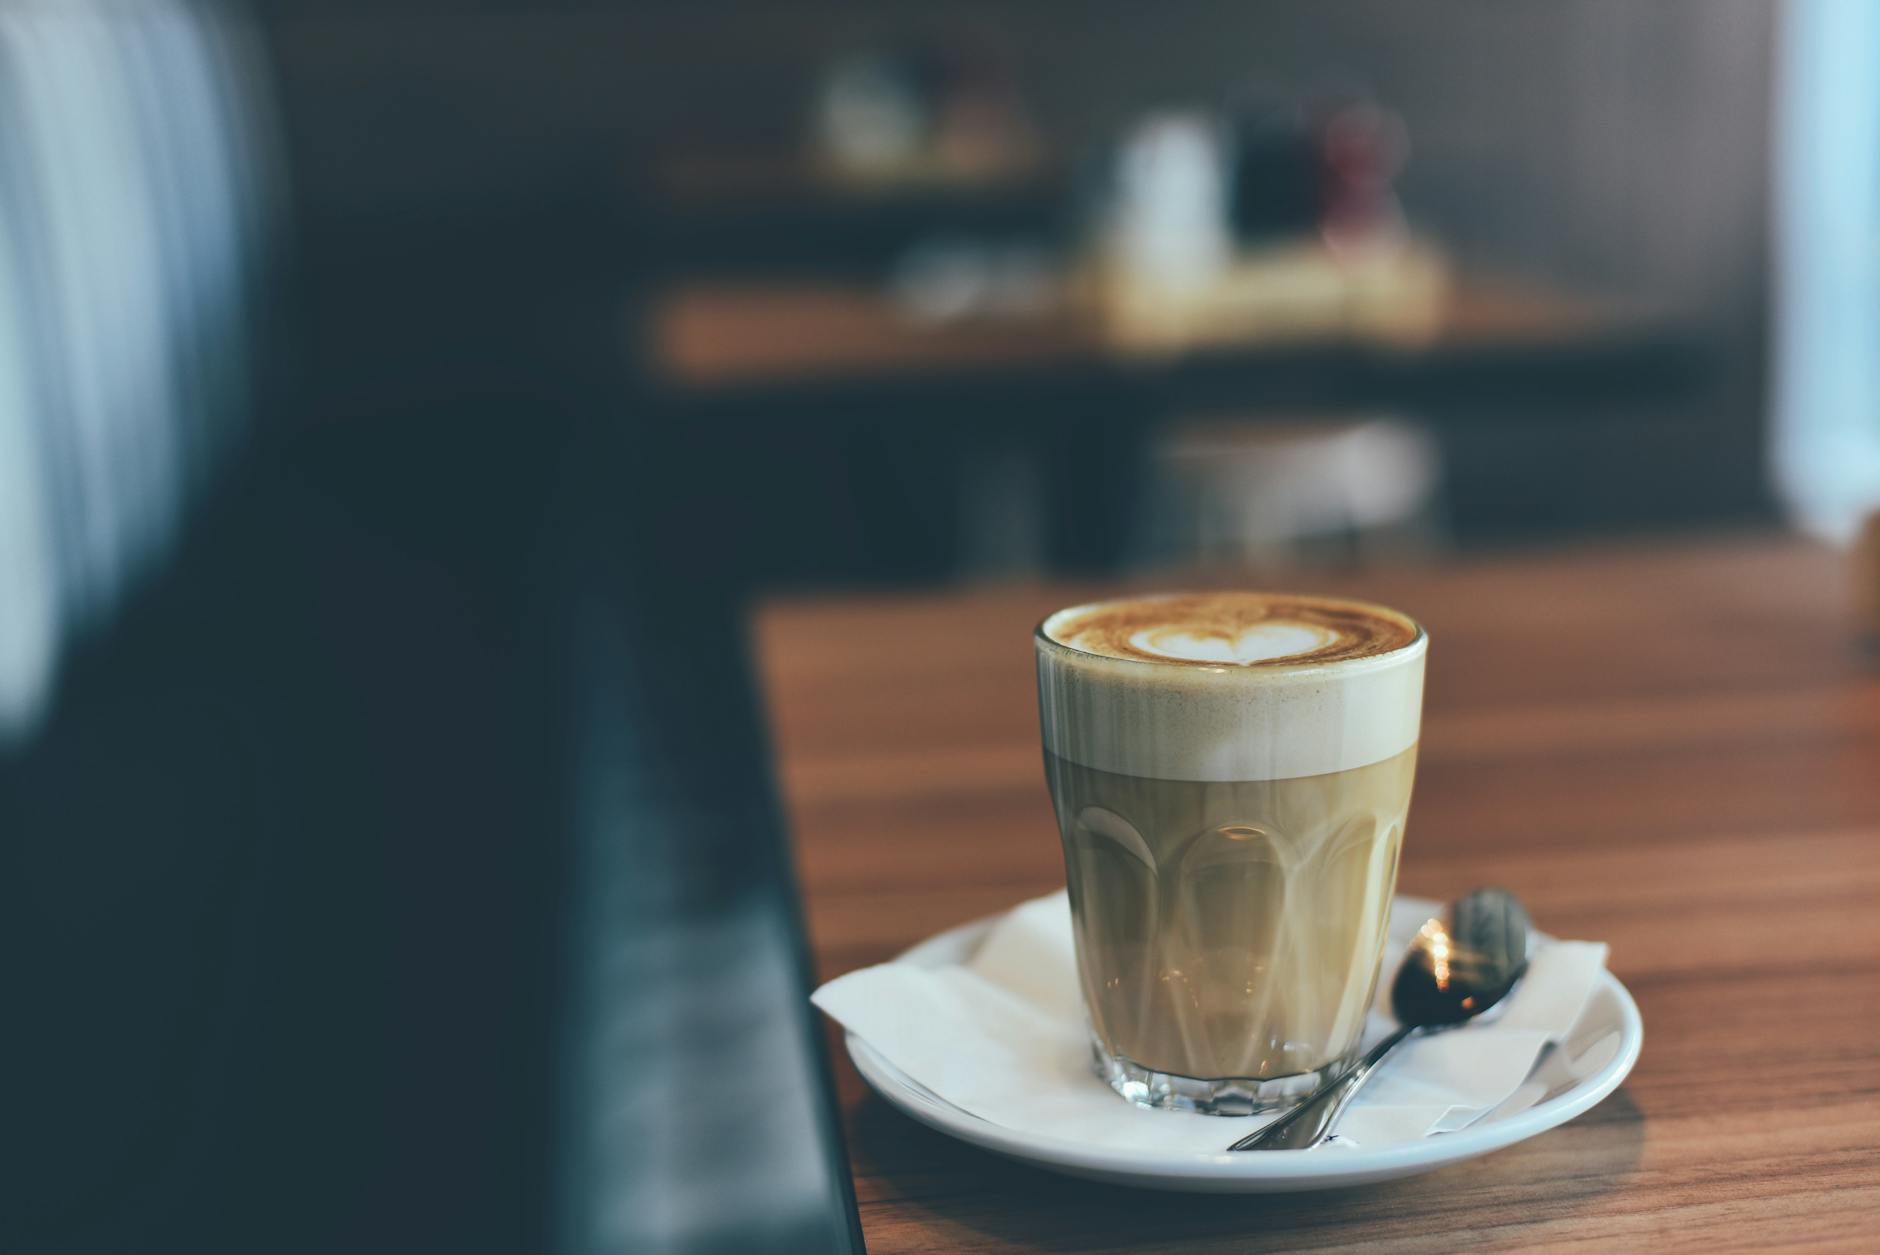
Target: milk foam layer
{"x": 1240, "y": 628}
{"x": 1229, "y": 686}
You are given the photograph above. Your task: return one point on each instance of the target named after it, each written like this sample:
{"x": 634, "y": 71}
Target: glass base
{"x": 1221, "y": 1096}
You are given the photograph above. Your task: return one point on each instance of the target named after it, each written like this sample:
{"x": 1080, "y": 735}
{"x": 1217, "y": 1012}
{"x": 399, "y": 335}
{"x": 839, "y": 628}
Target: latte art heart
{"x": 1263, "y": 642}
{"x": 1238, "y": 629}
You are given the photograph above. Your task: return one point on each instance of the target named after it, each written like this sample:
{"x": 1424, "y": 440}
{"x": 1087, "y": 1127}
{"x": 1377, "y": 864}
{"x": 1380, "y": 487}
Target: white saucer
{"x": 1610, "y": 1025}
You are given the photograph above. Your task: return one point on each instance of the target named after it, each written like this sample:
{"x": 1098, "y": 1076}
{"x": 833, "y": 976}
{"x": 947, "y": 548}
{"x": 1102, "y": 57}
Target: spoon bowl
{"x": 1463, "y": 964}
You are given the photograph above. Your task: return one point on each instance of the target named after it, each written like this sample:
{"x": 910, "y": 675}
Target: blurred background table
{"x": 1672, "y": 749}
{"x": 710, "y": 338}
{"x": 1044, "y": 439}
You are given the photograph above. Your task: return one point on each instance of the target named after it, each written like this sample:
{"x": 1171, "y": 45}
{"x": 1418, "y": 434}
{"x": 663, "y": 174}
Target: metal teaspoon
{"x": 1457, "y": 968}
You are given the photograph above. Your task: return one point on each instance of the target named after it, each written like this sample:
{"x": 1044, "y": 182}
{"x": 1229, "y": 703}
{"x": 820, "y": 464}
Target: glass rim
{"x": 1417, "y": 645}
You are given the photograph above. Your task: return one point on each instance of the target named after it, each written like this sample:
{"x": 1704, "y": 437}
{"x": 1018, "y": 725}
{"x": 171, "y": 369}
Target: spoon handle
{"x": 1310, "y": 1123}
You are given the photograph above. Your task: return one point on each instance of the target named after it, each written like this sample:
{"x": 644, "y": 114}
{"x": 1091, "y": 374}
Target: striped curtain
{"x": 1826, "y": 403}
{"x": 134, "y": 201}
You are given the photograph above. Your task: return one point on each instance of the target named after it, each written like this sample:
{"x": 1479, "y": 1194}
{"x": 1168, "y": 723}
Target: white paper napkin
{"x": 1003, "y": 1036}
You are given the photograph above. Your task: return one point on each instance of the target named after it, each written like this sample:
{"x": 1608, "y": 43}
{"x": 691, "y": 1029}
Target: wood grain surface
{"x": 722, "y": 334}
{"x": 1675, "y": 750}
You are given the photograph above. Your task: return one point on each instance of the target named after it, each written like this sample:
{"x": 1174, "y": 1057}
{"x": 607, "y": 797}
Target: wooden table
{"x": 717, "y": 339}
{"x": 1674, "y": 750}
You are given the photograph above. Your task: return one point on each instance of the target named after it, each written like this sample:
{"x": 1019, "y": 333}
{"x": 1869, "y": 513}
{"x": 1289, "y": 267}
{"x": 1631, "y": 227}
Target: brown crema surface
{"x": 1352, "y": 629}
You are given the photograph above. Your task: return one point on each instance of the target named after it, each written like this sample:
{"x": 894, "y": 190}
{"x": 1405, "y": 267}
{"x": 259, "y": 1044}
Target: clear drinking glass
{"x": 1231, "y": 836}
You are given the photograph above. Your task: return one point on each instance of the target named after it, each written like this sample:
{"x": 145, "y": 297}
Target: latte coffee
{"x": 1231, "y": 774}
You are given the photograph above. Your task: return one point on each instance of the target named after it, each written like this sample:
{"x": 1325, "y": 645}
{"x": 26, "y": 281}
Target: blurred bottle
{"x": 1362, "y": 148}
{"x": 1276, "y": 188}
{"x": 981, "y": 123}
{"x": 1268, "y": 221}
{"x": 1328, "y": 171}
{"x": 872, "y": 113}
{"x": 1165, "y": 229}
{"x": 929, "y": 112}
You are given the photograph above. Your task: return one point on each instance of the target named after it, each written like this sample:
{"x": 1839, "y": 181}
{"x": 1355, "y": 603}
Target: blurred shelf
{"x": 732, "y": 336}
{"x": 740, "y": 215}
{"x": 756, "y": 182}
{"x": 710, "y": 340}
